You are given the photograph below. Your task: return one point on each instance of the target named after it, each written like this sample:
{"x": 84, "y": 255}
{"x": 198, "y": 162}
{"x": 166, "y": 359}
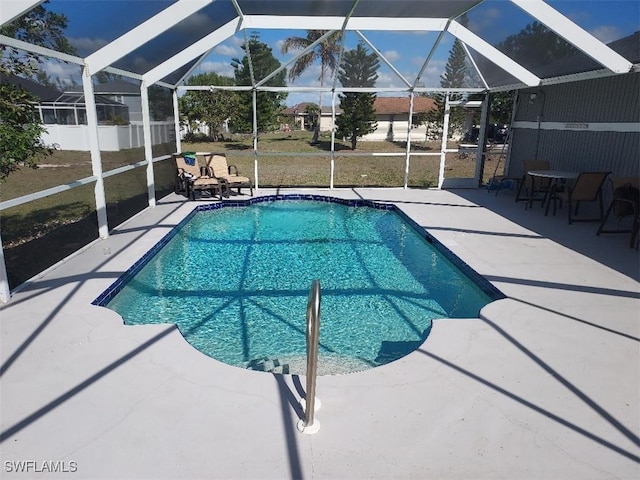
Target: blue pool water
{"x": 235, "y": 280}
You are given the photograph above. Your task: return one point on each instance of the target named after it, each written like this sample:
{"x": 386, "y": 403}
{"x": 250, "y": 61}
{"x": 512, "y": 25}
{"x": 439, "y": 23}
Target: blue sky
{"x": 494, "y": 20}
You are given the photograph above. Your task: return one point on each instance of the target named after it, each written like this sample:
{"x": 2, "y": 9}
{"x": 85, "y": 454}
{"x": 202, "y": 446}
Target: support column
{"x": 255, "y": 137}
{"x": 94, "y": 148}
{"x": 445, "y": 134}
{"x": 176, "y": 119}
{"x": 148, "y": 150}
{"x": 482, "y": 139}
{"x": 406, "y": 160}
{"x": 5, "y": 292}
{"x": 333, "y": 138}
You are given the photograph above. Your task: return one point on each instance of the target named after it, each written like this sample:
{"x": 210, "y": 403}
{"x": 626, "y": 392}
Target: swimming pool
{"x": 235, "y": 277}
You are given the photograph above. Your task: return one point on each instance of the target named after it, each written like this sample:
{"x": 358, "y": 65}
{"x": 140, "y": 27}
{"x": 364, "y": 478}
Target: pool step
{"x": 268, "y": 365}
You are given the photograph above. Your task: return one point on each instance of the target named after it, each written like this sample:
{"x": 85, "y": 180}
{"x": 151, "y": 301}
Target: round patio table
{"x": 558, "y": 177}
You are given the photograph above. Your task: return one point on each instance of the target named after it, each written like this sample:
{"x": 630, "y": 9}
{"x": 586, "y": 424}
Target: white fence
{"x": 112, "y": 138}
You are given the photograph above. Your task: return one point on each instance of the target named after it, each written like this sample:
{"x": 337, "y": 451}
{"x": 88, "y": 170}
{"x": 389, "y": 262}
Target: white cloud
{"x": 66, "y": 73}
{"x": 418, "y": 61}
{"x": 278, "y": 47}
{"x": 86, "y": 45}
{"x": 309, "y": 77}
{"x": 221, "y": 68}
{"x": 488, "y": 19}
{"x": 606, "y": 33}
{"x": 389, "y": 80}
{"x": 227, "y": 50}
{"x": 391, "y": 55}
{"x": 431, "y": 75}
{"x": 237, "y": 40}
{"x": 194, "y": 21}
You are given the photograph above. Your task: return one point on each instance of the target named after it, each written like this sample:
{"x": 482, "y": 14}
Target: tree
{"x": 326, "y": 51}
{"x": 454, "y": 76}
{"x": 501, "y": 107}
{"x": 313, "y": 115}
{"x": 536, "y": 46}
{"x": 20, "y": 131}
{"x": 212, "y": 108}
{"x": 20, "y": 128}
{"x": 39, "y": 27}
{"x": 358, "y": 118}
{"x": 268, "y": 104}
{"x": 160, "y": 103}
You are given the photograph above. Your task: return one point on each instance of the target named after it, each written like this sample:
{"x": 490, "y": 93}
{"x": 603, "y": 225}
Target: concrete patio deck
{"x": 545, "y": 385}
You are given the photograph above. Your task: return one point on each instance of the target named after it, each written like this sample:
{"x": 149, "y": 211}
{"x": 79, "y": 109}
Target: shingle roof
{"x": 393, "y": 105}
{"x": 117, "y": 86}
{"x": 43, "y": 92}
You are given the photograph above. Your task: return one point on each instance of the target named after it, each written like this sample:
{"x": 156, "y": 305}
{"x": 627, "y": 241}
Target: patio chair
{"x": 587, "y": 188}
{"x": 195, "y": 180}
{"x": 531, "y": 187}
{"x": 625, "y": 205}
{"x": 217, "y": 162}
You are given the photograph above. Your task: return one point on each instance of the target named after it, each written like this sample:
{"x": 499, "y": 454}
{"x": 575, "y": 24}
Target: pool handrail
{"x": 310, "y": 424}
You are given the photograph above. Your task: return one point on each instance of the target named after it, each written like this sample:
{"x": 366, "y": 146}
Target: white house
{"x": 392, "y": 116}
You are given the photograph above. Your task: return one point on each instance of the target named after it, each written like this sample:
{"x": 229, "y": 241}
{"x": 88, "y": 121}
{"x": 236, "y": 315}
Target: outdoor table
{"x": 558, "y": 177}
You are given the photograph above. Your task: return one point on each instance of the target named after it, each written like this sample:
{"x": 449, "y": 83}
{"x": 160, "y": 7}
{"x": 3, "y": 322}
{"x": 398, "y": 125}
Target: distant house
{"x": 300, "y": 119}
{"x": 392, "y": 116}
{"x": 64, "y": 115}
{"x": 123, "y": 92}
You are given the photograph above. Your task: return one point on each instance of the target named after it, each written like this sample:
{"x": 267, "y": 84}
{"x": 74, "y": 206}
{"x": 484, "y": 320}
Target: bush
{"x": 196, "y": 137}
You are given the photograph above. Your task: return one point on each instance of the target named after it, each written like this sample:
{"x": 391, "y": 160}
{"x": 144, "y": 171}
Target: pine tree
{"x": 358, "y": 118}
{"x": 454, "y": 76}
{"x": 268, "y": 104}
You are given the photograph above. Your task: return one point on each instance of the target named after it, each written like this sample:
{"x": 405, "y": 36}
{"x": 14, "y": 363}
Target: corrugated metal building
{"x": 587, "y": 125}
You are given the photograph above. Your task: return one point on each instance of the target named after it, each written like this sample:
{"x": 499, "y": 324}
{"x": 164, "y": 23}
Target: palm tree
{"x": 326, "y": 51}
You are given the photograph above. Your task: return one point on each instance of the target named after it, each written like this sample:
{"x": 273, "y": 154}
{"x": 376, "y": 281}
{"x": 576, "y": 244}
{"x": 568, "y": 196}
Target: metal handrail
{"x": 310, "y": 425}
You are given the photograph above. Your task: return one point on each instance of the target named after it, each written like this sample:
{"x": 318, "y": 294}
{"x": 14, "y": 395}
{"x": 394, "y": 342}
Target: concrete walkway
{"x": 545, "y": 385}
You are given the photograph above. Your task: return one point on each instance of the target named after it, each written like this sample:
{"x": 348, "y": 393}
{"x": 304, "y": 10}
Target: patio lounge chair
{"x": 193, "y": 179}
{"x": 625, "y": 205}
{"x": 217, "y": 162}
{"x": 587, "y": 188}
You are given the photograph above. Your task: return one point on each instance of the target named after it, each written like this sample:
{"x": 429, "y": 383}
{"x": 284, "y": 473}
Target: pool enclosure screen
{"x": 70, "y": 109}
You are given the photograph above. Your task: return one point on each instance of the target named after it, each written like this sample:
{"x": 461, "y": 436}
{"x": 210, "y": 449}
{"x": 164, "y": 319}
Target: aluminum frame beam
{"x": 337, "y": 23}
{"x": 12, "y": 9}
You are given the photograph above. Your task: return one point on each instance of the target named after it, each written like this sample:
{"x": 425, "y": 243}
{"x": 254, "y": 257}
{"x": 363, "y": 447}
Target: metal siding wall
{"x": 602, "y": 100}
